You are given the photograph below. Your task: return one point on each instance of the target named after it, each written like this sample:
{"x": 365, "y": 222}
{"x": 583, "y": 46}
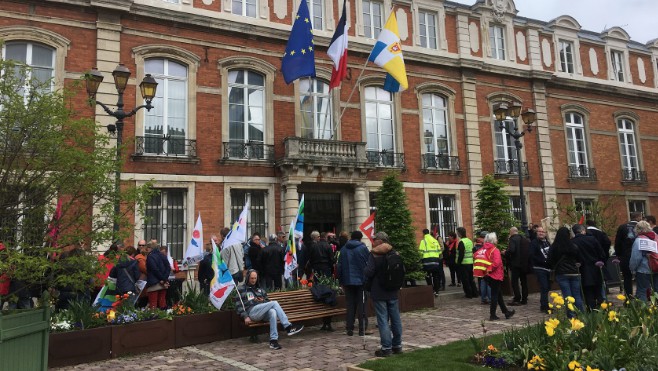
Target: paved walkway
{"x": 453, "y": 318}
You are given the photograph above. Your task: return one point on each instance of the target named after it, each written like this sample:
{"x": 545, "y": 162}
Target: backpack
{"x": 392, "y": 275}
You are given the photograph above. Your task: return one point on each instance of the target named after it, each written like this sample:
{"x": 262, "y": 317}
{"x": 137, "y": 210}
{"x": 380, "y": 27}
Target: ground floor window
{"x": 165, "y": 220}
{"x": 257, "y": 219}
{"x": 515, "y": 207}
{"x": 584, "y": 207}
{"x": 637, "y": 206}
{"x": 443, "y": 214}
{"x": 23, "y": 219}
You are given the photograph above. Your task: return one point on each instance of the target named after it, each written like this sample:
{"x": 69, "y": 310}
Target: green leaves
{"x": 492, "y": 209}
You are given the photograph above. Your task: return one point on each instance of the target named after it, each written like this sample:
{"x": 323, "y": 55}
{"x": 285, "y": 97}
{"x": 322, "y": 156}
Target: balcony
{"x": 164, "y": 147}
{"x": 582, "y": 173}
{"x": 633, "y": 176}
{"x": 440, "y": 162}
{"x": 241, "y": 151}
{"x": 386, "y": 159}
{"x": 509, "y": 168}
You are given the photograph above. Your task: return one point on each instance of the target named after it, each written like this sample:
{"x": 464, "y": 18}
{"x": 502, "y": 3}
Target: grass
{"x": 453, "y": 356}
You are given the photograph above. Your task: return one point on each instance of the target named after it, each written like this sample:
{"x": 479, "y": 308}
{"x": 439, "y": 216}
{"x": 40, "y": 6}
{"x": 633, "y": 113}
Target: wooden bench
{"x": 299, "y": 306}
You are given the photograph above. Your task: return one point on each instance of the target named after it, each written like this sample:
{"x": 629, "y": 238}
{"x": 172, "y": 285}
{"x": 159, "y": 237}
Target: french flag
{"x": 338, "y": 51}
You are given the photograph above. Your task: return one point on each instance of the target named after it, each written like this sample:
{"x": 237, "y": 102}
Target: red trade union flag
{"x": 338, "y": 51}
{"x": 582, "y": 219}
{"x": 368, "y": 227}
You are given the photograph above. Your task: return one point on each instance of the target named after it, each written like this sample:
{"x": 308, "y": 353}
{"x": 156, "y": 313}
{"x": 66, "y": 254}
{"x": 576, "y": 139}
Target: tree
{"x": 602, "y": 211}
{"x": 493, "y": 208}
{"x": 394, "y": 218}
{"x": 48, "y": 155}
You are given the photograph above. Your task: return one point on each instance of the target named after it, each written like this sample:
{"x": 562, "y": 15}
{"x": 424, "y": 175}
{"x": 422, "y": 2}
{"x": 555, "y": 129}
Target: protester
{"x": 320, "y": 255}
{"x": 490, "y": 255}
{"x": 127, "y": 272}
{"x": 157, "y": 278}
{"x": 518, "y": 256}
{"x": 233, "y": 255}
{"x": 252, "y": 304}
{"x": 351, "y": 265}
{"x": 385, "y": 302}
{"x": 565, "y": 260}
{"x": 451, "y": 258}
{"x": 592, "y": 258}
{"x": 652, "y": 223}
{"x": 432, "y": 260}
{"x": 465, "y": 263}
{"x": 254, "y": 252}
{"x": 645, "y": 280}
{"x": 483, "y": 286}
{"x": 623, "y": 247}
{"x": 205, "y": 273}
{"x": 273, "y": 264}
{"x": 142, "y": 253}
{"x": 539, "y": 248}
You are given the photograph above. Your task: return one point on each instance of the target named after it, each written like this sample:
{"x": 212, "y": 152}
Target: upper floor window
{"x": 317, "y": 120}
{"x": 246, "y": 104}
{"x": 576, "y": 141}
{"x": 627, "y": 142}
{"x": 379, "y": 120}
{"x": 566, "y": 56}
{"x": 428, "y": 29}
{"x": 617, "y": 59}
{"x": 40, "y": 58}
{"x": 435, "y": 122}
{"x": 373, "y": 18}
{"x": 316, "y": 9}
{"x": 246, "y": 8}
{"x": 165, "y": 126}
{"x": 505, "y": 152}
{"x": 497, "y": 41}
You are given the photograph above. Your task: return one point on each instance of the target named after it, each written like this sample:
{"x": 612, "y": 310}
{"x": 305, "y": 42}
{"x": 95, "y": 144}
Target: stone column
{"x": 472, "y": 134}
{"x": 290, "y": 202}
{"x": 108, "y": 47}
{"x": 361, "y": 211}
{"x": 544, "y": 143}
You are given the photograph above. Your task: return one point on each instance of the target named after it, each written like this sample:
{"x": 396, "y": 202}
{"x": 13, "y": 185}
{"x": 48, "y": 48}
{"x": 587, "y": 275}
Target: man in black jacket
{"x": 206, "y": 273}
{"x": 539, "y": 258}
{"x": 623, "y": 246}
{"x": 320, "y": 255}
{"x": 272, "y": 261}
{"x": 518, "y": 255}
{"x": 592, "y": 258}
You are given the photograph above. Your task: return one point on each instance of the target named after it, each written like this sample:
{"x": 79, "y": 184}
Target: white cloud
{"x": 637, "y": 17}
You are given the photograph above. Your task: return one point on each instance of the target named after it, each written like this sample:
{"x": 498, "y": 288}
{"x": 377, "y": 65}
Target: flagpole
{"x": 340, "y": 118}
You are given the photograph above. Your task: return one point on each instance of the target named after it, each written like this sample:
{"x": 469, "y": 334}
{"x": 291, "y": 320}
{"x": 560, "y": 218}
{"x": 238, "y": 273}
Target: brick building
{"x": 226, "y": 127}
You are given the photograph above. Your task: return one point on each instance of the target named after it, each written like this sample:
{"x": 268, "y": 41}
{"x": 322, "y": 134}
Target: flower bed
{"x": 613, "y": 337}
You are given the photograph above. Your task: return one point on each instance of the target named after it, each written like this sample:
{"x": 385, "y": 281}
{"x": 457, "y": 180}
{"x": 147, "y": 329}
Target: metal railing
{"x": 582, "y": 172}
{"x": 633, "y": 175}
{"x": 165, "y": 146}
{"x": 247, "y": 151}
{"x": 509, "y": 167}
{"x": 441, "y": 162}
{"x": 385, "y": 159}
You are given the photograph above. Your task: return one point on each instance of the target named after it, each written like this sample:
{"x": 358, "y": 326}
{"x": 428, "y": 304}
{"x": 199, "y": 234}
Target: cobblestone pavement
{"x": 453, "y": 318}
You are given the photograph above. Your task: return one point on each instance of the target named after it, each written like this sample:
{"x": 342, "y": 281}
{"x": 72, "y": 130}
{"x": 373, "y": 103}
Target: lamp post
{"x": 147, "y": 87}
{"x": 503, "y": 110}
{"x": 428, "y": 137}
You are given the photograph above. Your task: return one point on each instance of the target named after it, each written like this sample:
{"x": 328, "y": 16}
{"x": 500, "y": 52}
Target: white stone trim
{"x": 436, "y": 8}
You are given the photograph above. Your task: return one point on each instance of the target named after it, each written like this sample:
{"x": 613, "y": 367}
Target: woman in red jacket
{"x": 494, "y": 277}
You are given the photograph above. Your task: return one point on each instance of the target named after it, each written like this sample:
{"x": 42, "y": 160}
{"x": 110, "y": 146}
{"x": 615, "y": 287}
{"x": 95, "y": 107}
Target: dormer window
{"x": 617, "y": 59}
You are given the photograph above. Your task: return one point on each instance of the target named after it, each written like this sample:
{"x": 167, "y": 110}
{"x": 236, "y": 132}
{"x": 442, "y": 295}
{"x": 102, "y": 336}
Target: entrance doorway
{"x": 322, "y": 213}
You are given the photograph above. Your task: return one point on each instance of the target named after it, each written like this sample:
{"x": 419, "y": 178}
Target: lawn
{"x": 453, "y": 356}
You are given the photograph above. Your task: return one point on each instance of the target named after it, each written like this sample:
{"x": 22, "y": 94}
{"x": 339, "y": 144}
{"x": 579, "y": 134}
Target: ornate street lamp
{"x": 501, "y": 111}
{"x": 147, "y": 88}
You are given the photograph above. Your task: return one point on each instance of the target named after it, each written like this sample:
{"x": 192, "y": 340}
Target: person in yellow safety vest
{"x": 432, "y": 262}
{"x": 465, "y": 263}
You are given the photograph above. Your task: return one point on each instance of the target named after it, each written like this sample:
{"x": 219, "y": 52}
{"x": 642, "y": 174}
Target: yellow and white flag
{"x": 387, "y": 53}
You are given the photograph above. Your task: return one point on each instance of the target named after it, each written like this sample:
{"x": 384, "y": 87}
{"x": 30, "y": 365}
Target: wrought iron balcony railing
{"x": 386, "y": 159}
{"x": 509, "y": 167}
{"x": 441, "y": 162}
{"x": 633, "y": 175}
{"x": 248, "y": 151}
{"x": 582, "y": 172}
{"x": 165, "y": 146}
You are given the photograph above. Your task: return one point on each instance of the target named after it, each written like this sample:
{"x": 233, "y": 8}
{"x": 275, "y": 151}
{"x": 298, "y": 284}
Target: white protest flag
{"x": 194, "y": 252}
{"x": 222, "y": 283}
{"x": 238, "y": 233}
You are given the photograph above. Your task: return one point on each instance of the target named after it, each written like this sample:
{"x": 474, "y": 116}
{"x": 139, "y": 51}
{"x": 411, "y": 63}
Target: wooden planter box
{"x": 24, "y": 339}
{"x": 202, "y": 328}
{"x": 414, "y": 298}
{"x": 71, "y": 348}
{"x": 143, "y": 337}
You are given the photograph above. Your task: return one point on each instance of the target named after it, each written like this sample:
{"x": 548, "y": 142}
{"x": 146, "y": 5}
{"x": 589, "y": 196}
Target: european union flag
{"x": 299, "y": 58}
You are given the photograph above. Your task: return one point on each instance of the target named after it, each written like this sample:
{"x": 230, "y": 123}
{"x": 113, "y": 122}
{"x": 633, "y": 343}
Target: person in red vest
{"x": 488, "y": 264}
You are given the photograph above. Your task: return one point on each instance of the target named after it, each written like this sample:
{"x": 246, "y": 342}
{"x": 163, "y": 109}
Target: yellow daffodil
{"x": 571, "y": 307}
{"x": 574, "y": 365}
{"x": 591, "y": 369}
{"x": 570, "y": 299}
{"x": 604, "y": 305}
{"x": 576, "y": 324}
{"x": 530, "y": 366}
{"x": 111, "y": 315}
{"x": 558, "y": 306}
{"x": 621, "y": 297}
{"x": 553, "y": 322}
{"x": 549, "y": 311}
{"x": 554, "y": 294}
{"x": 612, "y": 316}
{"x": 550, "y": 305}
{"x": 558, "y": 300}
{"x": 550, "y": 331}
{"x": 492, "y": 348}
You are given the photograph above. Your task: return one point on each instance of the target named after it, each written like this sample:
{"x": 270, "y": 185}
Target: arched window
{"x": 41, "y": 60}
{"x": 576, "y": 145}
{"x": 246, "y": 100}
{"x": 315, "y": 103}
{"x": 505, "y": 151}
{"x": 628, "y": 147}
{"x": 436, "y": 131}
{"x": 165, "y": 126}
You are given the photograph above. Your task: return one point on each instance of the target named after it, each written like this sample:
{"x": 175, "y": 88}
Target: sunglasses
{"x": 141, "y": 245}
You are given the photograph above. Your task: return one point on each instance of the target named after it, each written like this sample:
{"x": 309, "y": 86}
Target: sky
{"x": 638, "y": 17}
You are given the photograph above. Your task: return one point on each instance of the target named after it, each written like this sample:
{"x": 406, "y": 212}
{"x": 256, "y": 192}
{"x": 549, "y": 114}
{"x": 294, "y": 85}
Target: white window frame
{"x": 572, "y": 128}
{"x": 377, "y": 104}
{"x": 28, "y": 62}
{"x": 513, "y": 209}
{"x": 497, "y": 36}
{"x": 328, "y": 123}
{"x": 244, "y": 6}
{"x": 626, "y": 132}
{"x": 163, "y": 241}
{"x": 444, "y": 112}
{"x": 425, "y": 34}
{"x": 567, "y": 59}
{"x": 365, "y": 11}
{"x": 235, "y": 210}
{"x": 163, "y": 88}
{"x": 439, "y": 209}
{"x": 245, "y": 87}
{"x": 618, "y": 65}
{"x": 314, "y": 17}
